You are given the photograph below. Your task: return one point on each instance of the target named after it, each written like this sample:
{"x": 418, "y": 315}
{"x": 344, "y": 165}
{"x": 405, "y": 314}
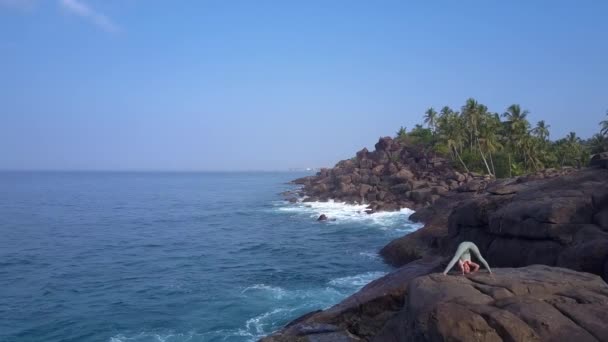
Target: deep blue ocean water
{"x": 118, "y": 256}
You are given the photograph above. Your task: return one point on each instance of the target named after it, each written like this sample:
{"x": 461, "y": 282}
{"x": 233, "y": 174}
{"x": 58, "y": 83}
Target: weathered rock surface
{"x": 534, "y": 303}
{"x": 425, "y": 241}
{"x": 557, "y": 222}
{"x": 551, "y": 220}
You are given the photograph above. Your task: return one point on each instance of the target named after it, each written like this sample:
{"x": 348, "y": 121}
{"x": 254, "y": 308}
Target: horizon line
{"x": 162, "y": 170}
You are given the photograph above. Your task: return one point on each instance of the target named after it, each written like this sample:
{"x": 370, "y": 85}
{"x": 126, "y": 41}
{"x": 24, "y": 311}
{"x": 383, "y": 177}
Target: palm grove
{"x": 501, "y": 145}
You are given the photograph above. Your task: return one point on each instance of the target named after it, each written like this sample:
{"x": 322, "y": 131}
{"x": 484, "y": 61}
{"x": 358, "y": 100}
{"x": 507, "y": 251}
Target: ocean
{"x": 173, "y": 257}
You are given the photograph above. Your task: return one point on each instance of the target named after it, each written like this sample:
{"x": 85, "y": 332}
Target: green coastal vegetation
{"x": 501, "y": 145}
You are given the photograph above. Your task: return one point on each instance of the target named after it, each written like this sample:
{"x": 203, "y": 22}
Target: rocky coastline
{"x": 395, "y": 175}
{"x": 546, "y": 234}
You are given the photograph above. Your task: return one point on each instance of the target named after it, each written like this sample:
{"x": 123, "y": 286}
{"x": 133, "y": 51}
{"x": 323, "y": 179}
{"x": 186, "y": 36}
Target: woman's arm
{"x": 459, "y": 252}
{"x": 479, "y": 257}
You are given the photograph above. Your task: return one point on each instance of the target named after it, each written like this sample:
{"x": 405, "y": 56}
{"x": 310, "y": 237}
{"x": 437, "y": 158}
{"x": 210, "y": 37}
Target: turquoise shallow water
{"x": 109, "y": 256}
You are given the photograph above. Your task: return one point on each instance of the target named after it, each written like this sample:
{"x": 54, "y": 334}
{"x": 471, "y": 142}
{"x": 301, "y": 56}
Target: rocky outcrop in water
{"x": 393, "y": 176}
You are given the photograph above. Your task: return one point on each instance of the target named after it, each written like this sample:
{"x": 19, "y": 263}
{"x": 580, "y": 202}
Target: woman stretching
{"x": 463, "y": 256}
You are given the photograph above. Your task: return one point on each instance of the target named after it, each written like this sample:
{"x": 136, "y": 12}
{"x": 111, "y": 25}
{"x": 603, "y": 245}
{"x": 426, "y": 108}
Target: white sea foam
{"x": 370, "y": 255}
{"x": 356, "y": 281}
{"x": 222, "y": 334}
{"x": 316, "y": 295}
{"x": 156, "y": 337}
{"x": 343, "y": 212}
{"x": 277, "y": 292}
{"x": 257, "y": 323}
{"x": 287, "y": 303}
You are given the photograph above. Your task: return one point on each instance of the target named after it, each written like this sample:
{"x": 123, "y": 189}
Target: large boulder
{"x": 401, "y": 188}
{"x": 422, "y": 196}
{"x": 558, "y": 221}
{"x": 374, "y": 180}
{"x": 364, "y": 189}
{"x": 599, "y": 160}
{"x": 472, "y": 186}
{"x": 320, "y": 188}
{"x": 412, "y": 303}
{"x": 535, "y": 303}
{"x": 378, "y": 170}
{"x": 347, "y": 179}
{"x": 391, "y": 169}
{"x": 362, "y": 154}
{"x": 403, "y": 175}
{"x": 366, "y": 164}
{"x": 384, "y": 144}
{"x": 303, "y": 180}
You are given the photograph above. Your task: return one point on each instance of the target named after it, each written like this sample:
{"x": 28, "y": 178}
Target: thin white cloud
{"x": 79, "y": 8}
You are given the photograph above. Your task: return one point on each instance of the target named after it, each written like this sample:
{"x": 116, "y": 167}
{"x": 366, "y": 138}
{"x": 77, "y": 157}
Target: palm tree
{"x": 482, "y": 133}
{"x": 402, "y": 132}
{"x": 430, "y": 118}
{"x": 516, "y": 118}
{"x": 573, "y": 148}
{"x": 598, "y": 143}
{"x": 489, "y": 138}
{"x": 541, "y": 130}
{"x": 443, "y": 120}
{"x": 604, "y": 124}
{"x": 471, "y": 118}
{"x": 531, "y": 152}
{"x": 445, "y": 111}
{"x": 451, "y": 131}
{"x": 517, "y": 128}
{"x": 571, "y": 138}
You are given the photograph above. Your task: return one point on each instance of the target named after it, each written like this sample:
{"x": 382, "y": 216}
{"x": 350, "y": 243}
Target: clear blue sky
{"x": 233, "y": 85}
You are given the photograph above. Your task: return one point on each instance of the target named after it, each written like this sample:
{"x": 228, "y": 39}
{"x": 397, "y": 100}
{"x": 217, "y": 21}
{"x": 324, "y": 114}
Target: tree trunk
{"x": 484, "y": 158}
{"x": 463, "y": 164}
